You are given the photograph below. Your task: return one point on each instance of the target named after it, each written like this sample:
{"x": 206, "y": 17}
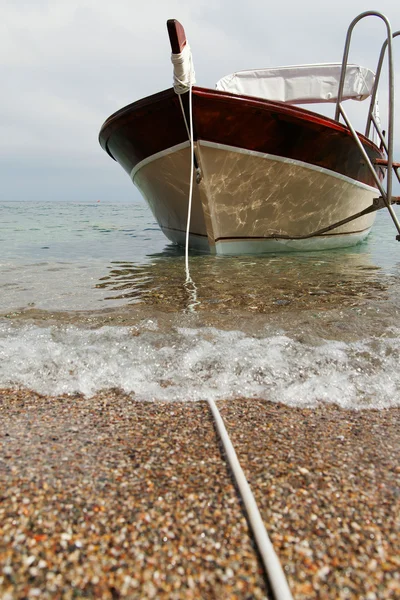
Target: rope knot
{"x": 184, "y": 76}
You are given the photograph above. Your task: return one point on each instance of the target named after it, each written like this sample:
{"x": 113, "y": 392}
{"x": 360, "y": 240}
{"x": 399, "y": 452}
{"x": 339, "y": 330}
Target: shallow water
{"x": 93, "y": 296}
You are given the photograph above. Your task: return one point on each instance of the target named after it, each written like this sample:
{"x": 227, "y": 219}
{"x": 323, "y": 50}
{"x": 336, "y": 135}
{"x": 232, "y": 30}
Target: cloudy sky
{"x": 66, "y": 65}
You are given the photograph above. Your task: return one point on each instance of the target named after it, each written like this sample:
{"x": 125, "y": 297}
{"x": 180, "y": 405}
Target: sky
{"x": 66, "y": 65}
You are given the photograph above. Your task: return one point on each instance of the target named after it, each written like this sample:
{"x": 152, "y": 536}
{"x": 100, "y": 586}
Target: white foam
{"x": 195, "y": 364}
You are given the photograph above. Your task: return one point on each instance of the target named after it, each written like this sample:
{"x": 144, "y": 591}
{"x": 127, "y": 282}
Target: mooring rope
{"x": 270, "y": 560}
{"x": 184, "y": 79}
{"x": 189, "y": 213}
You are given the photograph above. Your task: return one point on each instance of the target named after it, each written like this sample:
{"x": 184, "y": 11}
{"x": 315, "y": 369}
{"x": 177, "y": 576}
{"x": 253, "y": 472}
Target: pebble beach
{"x": 108, "y": 497}
{"x": 113, "y": 482}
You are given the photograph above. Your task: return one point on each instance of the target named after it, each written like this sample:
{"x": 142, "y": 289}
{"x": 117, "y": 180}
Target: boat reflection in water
{"x": 256, "y": 284}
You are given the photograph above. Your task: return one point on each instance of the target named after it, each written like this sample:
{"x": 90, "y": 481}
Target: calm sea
{"x": 92, "y": 296}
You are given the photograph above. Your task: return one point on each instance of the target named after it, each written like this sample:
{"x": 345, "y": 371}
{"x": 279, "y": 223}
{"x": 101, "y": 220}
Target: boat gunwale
{"x": 303, "y": 114}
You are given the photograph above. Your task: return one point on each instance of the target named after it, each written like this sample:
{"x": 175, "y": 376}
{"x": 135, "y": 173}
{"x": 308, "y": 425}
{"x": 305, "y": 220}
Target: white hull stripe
{"x": 264, "y": 155}
{"x": 157, "y": 156}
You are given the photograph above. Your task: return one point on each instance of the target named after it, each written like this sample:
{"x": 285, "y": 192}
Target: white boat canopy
{"x": 301, "y": 84}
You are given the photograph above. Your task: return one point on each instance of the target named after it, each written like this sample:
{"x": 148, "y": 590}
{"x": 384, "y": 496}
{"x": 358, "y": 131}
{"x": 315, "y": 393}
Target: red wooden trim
{"x": 137, "y": 110}
{"x": 283, "y": 108}
{"x": 304, "y": 114}
{"x": 155, "y": 124}
{"x": 177, "y": 36}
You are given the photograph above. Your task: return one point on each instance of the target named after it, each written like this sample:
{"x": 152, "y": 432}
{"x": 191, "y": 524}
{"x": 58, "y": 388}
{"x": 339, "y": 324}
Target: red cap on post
{"x": 177, "y": 36}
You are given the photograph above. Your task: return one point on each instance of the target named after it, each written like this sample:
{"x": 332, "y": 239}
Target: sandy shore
{"x": 112, "y": 498}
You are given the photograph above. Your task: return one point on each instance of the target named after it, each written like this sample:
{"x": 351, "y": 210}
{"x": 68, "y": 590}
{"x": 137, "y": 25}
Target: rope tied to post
{"x": 184, "y": 75}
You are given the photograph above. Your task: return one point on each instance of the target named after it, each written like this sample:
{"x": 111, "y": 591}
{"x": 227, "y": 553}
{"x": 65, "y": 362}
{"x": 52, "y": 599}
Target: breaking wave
{"x": 200, "y": 363}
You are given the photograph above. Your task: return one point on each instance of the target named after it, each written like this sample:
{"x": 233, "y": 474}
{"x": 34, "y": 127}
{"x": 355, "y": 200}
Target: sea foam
{"x": 200, "y": 363}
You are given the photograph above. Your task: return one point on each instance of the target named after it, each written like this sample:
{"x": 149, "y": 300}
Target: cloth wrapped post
{"x": 184, "y": 76}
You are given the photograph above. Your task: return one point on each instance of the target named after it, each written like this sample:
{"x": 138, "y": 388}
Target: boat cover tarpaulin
{"x": 301, "y": 84}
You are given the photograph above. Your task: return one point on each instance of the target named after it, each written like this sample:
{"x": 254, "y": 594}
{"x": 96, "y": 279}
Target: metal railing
{"x": 386, "y": 143}
{"x": 371, "y": 120}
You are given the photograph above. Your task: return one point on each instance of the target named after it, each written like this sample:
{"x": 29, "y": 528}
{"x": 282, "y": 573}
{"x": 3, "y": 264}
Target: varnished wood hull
{"x": 271, "y": 173}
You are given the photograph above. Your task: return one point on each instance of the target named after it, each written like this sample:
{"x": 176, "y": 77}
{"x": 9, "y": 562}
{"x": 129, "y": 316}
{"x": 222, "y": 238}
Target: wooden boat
{"x": 268, "y": 175}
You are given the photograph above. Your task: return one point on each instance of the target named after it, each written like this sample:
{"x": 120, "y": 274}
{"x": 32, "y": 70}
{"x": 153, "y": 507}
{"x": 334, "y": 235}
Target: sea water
{"x": 93, "y": 296}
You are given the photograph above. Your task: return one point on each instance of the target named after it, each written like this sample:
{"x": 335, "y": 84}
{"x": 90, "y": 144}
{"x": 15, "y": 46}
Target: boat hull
{"x": 249, "y": 203}
{"x": 272, "y": 191}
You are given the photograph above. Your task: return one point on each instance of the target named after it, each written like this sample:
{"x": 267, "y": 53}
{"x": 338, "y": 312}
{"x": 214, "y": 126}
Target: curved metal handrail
{"x": 371, "y": 118}
{"x": 368, "y": 13}
{"x": 386, "y": 195}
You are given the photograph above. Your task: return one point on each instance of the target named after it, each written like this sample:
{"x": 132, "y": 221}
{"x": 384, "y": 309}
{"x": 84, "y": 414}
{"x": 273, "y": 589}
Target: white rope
{"x": 270, "y": 560}
{"x": 184, "y": 116}
{"x": 189, "y": 213}
{"x": 184, "y": 76}
{"x": 273, "y": 568}
{"x": 189, "y": 283}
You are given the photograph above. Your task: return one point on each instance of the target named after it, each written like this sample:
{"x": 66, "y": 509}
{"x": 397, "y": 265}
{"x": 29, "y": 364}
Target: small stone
{"x": 304, "y": 471}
